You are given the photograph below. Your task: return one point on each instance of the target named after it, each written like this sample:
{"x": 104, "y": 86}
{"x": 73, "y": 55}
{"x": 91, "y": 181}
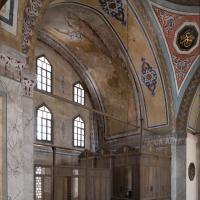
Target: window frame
{"x": 73, "y": 120}
{"x": 52, "y": 125}
{"x": 52, "y": 71}
{"x": 34, "y": 177}
{"x": 84, "y": 98}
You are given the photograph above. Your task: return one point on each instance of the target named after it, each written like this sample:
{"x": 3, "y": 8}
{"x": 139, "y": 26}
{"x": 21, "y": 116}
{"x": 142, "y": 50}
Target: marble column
{"x": 178, "y": 171}
{"x": 18, "y": 86}
{"x": 191, "y": 157}
{"x": 28, "y": 133}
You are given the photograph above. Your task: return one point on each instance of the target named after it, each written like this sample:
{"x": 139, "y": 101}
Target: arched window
{"x": 79, "y": 94}
{"x": 44, "y": 124}
{"x": 79, "y": 132}
{"x": 44, "y": 74}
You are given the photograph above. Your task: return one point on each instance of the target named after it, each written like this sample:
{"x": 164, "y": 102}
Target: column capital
{"x": 28, "y": 82}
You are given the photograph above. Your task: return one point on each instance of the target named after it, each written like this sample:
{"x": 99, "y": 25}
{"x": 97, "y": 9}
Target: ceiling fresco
{"x": 186, "y": 2}
{"x": 141, "y": 65}
{"x": 153, "y": 50}
{"x": 181, "y": 32}
{"x": 89, "y": 39}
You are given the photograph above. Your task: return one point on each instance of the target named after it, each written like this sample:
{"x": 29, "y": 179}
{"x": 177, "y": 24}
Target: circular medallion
{"x": 187, "y": 37}
{"x": 191, "y": 171}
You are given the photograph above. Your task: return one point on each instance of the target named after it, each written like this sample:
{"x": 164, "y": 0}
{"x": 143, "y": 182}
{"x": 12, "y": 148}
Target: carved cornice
{"x": 181, "y": 121}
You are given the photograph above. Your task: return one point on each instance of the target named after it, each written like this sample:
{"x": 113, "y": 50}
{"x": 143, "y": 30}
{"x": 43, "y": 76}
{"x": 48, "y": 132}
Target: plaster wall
{"x": 191, "y": 157}
{"x": 64, "y": 77}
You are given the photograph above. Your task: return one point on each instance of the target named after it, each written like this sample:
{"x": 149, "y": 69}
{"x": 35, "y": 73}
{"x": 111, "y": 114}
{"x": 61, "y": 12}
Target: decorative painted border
{"x": 31, "y": 13}
{"x": 164, "y": 48}
{"x": 169, "y": 54}
{"x": 156, "y": 61}
{"x": 10, "y": 24}
{"x": 10, "y": 20}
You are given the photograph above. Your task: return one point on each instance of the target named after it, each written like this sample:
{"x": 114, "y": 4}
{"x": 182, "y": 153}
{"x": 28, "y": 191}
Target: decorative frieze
{"x": 31, "y": 12}
{"x": 11, "y": 67}
{"x": 158, "y": 141}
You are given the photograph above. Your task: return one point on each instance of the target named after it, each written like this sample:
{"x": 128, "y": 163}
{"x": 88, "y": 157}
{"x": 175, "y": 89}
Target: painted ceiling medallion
{"x": 115, "y": 8}
{"x": 149, "y": 76}
{"x": 187, "y": 38}
{"x": 181, "y": 34}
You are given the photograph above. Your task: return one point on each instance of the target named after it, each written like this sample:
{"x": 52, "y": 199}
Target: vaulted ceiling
{"x": 143, "y": 53}
{"x": 186, "y": 2}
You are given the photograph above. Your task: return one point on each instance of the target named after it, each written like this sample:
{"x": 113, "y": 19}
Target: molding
{"x": 9, "y": 23}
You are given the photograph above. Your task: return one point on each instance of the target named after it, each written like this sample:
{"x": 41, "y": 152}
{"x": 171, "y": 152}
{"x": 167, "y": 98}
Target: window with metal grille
{"x": 43, "y": 183}
{"x": 79, "y": 94}
{"x": 79, "y": 132}
{"x": 44, "y": 74}
{"x": 44, "y": 124}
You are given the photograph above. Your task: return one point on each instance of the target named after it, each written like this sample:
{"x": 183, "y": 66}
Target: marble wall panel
{"x": 1, "y": 152}
{"x": 19, "y": 141}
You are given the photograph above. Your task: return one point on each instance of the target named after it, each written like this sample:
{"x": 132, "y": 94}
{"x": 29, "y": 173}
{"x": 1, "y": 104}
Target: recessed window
{"x": 79, "y": 94}
{"x": 44, "y": 124}
{"x": 79, "y": 132}
{"x": 44, "y": 74}
{"x": 43, "y": 186}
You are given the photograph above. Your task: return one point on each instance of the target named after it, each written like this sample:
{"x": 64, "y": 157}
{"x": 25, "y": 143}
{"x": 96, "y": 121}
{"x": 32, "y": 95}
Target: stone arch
{"x": 182, "y": 117}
